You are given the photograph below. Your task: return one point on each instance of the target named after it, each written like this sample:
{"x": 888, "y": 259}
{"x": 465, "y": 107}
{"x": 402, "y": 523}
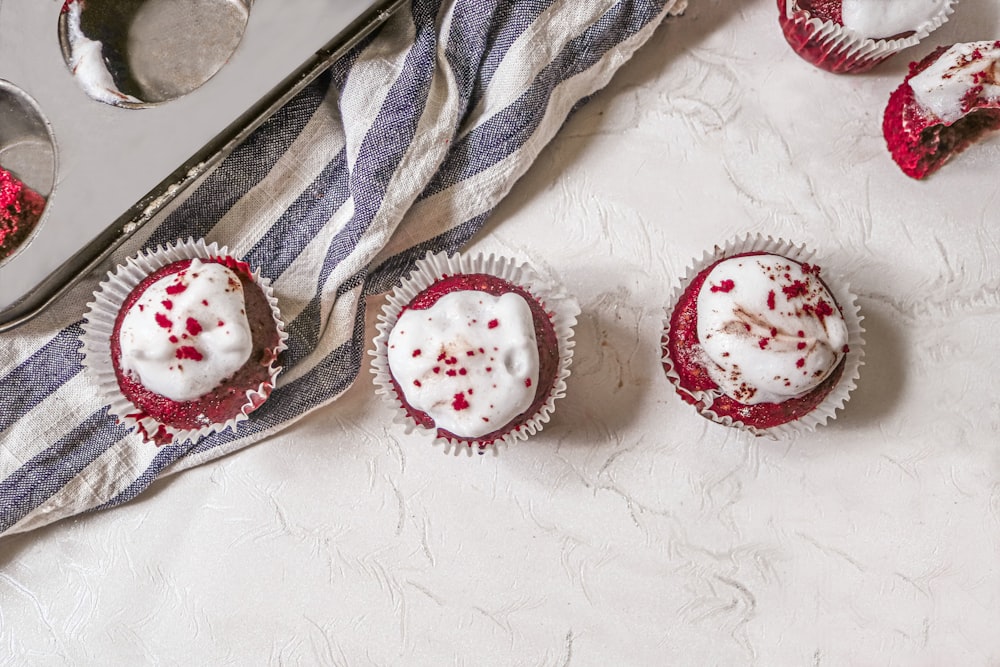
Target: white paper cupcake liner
{"x": 99, "y": 326}
{"x": 853, "y": 360}
{"x": 847, "y": 51}
{"x": 562, "y": 309}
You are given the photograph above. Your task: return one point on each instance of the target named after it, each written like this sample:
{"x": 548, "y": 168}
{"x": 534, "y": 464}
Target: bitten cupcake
{"x": 844, "y": 36}
{"x": 756, "y": 339}
{"x": 948, "y": 101}
{"x": 184, "y": 341}
{"x": 474, "y": 350}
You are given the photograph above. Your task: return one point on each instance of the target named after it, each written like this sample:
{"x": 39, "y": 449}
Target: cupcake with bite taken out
{"x": 184, "y": 341}
{"x": 756, "y": 339}
{"x": 474, "y": 351}
{"x": 851, "y": 36}
{"x": 947, "y": 102}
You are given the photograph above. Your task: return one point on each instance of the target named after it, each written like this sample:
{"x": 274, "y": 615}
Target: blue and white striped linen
{"x": 404, "y": 146}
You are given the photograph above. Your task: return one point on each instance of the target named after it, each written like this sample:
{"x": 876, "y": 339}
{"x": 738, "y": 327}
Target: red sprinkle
{"x": 800, "y": 363}
{"x": 493, "y": 324}
{"x": 763, "y": 342}
{"x": 770, "y": 299}
{"x": 724, "y": 286}
{"x": 797, "y": 288}
{"x": 188, "y": 352}
{"x": 460, "y": 403}
{"x": 416, "y": 383}
{"x": 823, "y": 309}
{"x": 416, "y": 353}
{"x": 802, "y": 346}
{"x": 193, "y": 327}
{"x": 163, "y": 321}
{"x": 167, "y": 303}
{"x": 176, "y": 288}
{"x": 527, "y": 382}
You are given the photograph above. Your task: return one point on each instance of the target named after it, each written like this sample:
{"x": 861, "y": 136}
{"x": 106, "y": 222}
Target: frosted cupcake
{"x": 948, "y": 101}
{"x": 184, "y": 341}
{"x": 756, "y": 339}
{"x": 474, "y": 350}
{"x": 855, "y": 35}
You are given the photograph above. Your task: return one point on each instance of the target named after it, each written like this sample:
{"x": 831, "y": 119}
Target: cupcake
{"x": 756, "y": 339}
{"x": 474, "y": 351}
{"x": 947, "y": 101}
{"x": 183, "y": 341}
{"x": 855, "y": 35}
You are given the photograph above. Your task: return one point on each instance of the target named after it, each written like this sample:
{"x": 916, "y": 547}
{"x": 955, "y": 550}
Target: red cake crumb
{"x": 681, "y": 344}
{"x": 545, "y": 335}
{"x": 919, "y": 142}
{"x": 229, "y": 398}
{"x": 20, "y": 210}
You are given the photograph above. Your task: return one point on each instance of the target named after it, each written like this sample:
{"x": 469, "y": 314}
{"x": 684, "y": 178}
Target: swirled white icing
{"x": 943, "y": 87}
{"x": 878, "y": 19}
{"x": 187, "y": 332}
{"x": 470, "y": 361}
{"x": 768, "y": 328}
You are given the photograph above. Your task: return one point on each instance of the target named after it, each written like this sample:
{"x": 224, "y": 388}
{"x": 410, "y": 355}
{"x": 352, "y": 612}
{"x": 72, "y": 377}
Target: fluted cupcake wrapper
{"x": 99, "y": 324}
{"x": 562, "y": 309}
{"x": 840, "y": 50}
{"x": 853, "y": 360}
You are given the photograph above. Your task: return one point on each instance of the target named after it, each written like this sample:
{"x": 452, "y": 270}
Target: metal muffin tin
{"x": 107, "y": 170}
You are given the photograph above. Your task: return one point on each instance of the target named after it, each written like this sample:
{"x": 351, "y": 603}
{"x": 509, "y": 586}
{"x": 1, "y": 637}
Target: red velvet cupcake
{"x": 757, "y": 340}
{"x": 474, "y": 351}
{"x": 850, "y": 36}
{"x": 948, "y": 101}
{"x": 184, "y": 341}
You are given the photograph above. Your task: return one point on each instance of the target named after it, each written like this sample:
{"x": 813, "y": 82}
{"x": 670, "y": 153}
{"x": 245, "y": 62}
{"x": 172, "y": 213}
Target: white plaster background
{"x": 630, "y": 531}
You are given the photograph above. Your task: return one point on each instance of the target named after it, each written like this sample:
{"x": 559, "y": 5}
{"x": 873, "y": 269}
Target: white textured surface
{"x": 630, "y": 531}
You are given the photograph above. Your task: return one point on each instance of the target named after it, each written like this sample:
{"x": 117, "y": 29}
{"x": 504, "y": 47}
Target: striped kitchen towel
{"x": 404, "y": 146}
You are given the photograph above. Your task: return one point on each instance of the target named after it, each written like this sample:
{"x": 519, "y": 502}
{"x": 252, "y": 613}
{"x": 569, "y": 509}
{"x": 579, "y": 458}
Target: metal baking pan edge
{"x": 90, "y": 256}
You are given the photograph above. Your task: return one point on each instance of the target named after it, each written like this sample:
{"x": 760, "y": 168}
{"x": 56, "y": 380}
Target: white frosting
{"x": 769, "y": 331}
{"x": 941, "y": 87}
{"x": 187, "y": 333}
{"x": 877, "y": 19}
{"x": 87, "y": 62}
{"x": 470, "y": 361}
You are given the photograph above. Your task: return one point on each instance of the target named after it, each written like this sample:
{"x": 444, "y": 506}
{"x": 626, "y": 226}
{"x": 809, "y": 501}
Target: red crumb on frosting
{"x": 189, "y": 352}
{"x": 20, "y": 210}
{"x": 228, "y": 399}
{"x": 920, "y": 142}
{"x": 459, "y": 402}
{"x": 724, "y": 286}
{"x": 681, "y": 345}
{"x": 545, "y": 335}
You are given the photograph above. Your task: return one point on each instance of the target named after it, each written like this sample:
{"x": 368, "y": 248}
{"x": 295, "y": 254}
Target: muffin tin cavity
{"x": 27, "y": 168}
{"x": 140, "y": 53}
